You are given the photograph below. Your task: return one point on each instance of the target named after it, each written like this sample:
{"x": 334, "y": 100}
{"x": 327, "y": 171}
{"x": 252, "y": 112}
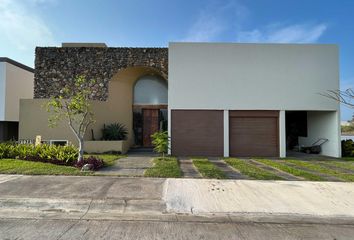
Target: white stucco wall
{"x": 323, "y": 125}
{"x": 19, "y": 85}
{"x": 2, "y": 91}
{"x": 252, "y": 76}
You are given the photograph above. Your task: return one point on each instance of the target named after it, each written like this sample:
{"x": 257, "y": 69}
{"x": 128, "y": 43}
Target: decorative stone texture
{"x": 57, "y": 67}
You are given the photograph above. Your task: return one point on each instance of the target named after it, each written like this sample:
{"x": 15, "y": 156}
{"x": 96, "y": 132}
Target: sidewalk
{"x": 134, "y": 165}
{"x": 71, "y": 197}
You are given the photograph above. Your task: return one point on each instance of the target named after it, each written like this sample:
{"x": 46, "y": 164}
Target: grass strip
{"x": 251, "y": 170}
{"x": 208, "y": 169}
{"x": 164, "y": 168}
{"x": 322, "y": 169}
{"x": 14, "y": 166}
{"x": 293, "y": 171}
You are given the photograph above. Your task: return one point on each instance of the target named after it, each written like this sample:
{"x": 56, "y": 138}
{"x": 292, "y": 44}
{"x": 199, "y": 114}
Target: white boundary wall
{"x": 19, "y": 85}
{"x": 2, "y": 90}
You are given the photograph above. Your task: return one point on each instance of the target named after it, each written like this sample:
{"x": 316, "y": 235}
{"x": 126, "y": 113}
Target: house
{"x": 216, "y": 99}
{"x": 16, "y": 82}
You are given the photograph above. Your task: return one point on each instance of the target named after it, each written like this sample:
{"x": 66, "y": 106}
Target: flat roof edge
{"x": 250, "y": 43}
{"x": 17, "y": 64}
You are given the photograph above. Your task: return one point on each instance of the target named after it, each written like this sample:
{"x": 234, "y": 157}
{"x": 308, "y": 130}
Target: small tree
{"x": 160, "y": 140}
{"x": 345, "y": 97}
{"x": 73, "y": 105}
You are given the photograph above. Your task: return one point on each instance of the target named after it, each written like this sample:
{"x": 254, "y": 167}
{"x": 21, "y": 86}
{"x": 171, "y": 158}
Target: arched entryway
{"x": 149, "y": 108}
{"x": 132, "y": 92}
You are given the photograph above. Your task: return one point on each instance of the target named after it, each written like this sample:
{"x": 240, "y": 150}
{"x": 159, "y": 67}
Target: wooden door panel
{"x": 254, "y": 135}
{"x": 197, "y": 132}
{"x": 150, "y": 125}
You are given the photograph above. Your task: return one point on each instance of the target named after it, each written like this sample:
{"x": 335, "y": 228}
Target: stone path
{"x": 188, "y": 169}
{"x": 228, "y": 170}
{"x": 325, "y": 176}
{"x": 336, "y": 168}
{"x": 286, "y": 176}
{"x": 133, "y": 166}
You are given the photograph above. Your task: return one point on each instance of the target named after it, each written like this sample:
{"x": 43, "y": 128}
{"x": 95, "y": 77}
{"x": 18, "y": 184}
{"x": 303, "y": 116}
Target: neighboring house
{"x": 345, "y": 123}
{"x": 16, "y": 82}
{"x": 222, "y": 99}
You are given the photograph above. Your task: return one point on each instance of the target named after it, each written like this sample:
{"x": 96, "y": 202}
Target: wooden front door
{"x": 150, "y": 125}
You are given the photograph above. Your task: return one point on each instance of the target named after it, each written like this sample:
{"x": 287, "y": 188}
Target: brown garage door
{"x": 197, "y": 133}
{"x": 254, "y": 133}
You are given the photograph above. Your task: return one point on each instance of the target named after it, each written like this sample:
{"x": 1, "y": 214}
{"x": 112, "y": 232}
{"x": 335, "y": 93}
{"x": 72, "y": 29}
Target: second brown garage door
{"x": 197, "y": 132}
{"x": 254, "y": 133}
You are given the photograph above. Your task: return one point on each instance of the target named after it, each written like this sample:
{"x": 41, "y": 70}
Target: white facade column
{"x": 339, "y": 134}
{"x": 169, "y": 129}
{"x": 282, "y": 134}
{"x": 226, "y": 133}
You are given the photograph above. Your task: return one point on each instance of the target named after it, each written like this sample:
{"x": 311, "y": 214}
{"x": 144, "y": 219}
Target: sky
{"x": 25, "y": 24}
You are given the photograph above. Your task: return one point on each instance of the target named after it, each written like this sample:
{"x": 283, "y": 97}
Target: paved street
{"x": 94, "y": 229}
{"x": 69, "y": 207}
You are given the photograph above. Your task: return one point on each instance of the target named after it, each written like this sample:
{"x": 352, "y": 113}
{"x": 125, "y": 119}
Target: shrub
{"x": 61, "y": 155}
{"x": 160, "y": 141}
{"x": 347, "y": 148}
{"x": 114, "y": 131}
{"x": 96, "y": 162}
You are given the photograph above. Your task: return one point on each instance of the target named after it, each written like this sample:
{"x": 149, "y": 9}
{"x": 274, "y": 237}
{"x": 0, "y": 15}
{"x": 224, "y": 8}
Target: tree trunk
{"x": 81, "y": 150}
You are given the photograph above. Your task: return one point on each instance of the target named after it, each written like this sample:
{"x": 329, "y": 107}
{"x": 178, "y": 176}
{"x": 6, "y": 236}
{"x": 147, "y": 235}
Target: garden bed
{"x": 12, "y": 154}
{"x": 119, "y": 146}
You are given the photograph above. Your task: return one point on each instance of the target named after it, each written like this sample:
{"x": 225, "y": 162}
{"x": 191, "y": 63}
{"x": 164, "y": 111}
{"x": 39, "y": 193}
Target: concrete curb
{"x": 142, "y": 210}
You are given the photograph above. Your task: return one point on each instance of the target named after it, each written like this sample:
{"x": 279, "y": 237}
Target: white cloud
{"x": 204, "y": 29}
{"x": 22, "y": 29}
{"x": 229, "y": 17}
{"x": 298, "y": 33}
{"x": 215, "y": 19}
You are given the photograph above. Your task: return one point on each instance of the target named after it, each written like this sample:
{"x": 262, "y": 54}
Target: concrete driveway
{"x": 60, "y": 207}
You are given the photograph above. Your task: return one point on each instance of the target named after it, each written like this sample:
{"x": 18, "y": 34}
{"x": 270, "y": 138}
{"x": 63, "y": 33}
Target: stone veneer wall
{"x": 56, "y": 67}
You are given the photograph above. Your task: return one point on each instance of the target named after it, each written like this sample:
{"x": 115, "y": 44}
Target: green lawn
{"x": 14, "y": 166}
{"x": 167, "y": 167}
{"x": 294, "y": 171}
{"x": 321, "y": 169}
{"x": 348, "y": 158}
{"x": 251, "y": 170}
{"x": 208, "y": 169}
